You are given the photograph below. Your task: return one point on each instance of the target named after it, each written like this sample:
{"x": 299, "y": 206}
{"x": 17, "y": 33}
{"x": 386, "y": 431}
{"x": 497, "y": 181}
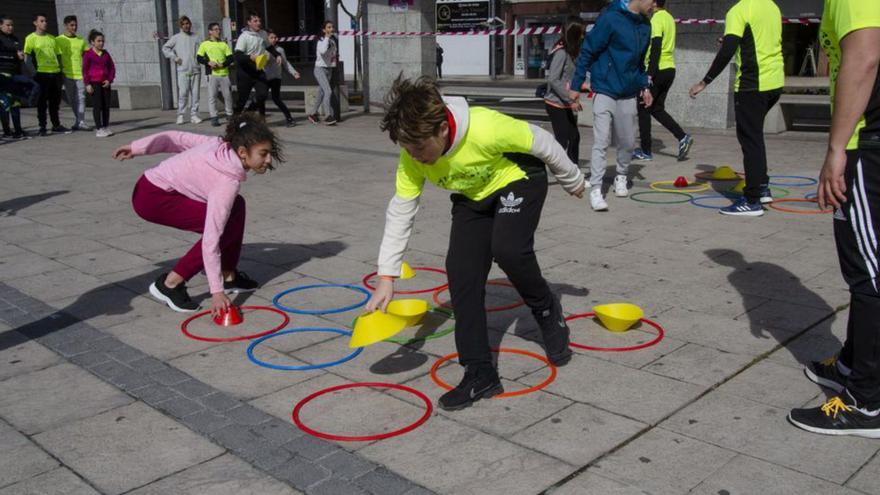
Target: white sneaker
{"x": 596, "y": 200}
{"x": 620, "y": 189}
{"x": 180, "y": 120}
{"x": 101, "y": 133}
{"x": 195, "y": 119}
{"x": 108, "y": 131}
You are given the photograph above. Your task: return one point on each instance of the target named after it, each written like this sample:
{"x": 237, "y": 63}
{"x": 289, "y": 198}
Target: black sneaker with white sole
{"x": 555, "y": 333}
{"x": 241, "y": 283}
{"x": 826, "y": 373}
{"x": 840, "y": 415}
{"x": 177, "y": 298}
{"x": 479, "y": 382}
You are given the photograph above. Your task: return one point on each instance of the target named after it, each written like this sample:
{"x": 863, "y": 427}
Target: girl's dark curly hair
{"x": 247, "y": 129}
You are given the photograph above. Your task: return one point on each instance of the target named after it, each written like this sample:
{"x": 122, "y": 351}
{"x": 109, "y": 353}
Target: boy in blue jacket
{"x": 612, "y": 58}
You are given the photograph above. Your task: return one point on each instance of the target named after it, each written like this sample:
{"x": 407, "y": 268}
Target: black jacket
{"x": 9, "y": 48}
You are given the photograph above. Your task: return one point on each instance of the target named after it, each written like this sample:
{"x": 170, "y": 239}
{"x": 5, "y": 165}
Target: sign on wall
{"x": 462, "y": 15}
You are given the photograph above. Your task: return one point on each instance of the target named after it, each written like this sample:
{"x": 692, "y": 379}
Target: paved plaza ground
{"x": 100, "y": 392}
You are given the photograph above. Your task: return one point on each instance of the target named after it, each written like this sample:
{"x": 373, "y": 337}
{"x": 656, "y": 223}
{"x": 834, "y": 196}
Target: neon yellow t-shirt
{"x": 216, "y": 51}
{"x": 840, "y": 18}
{"x": 478, "y": 167}
{"x": 72, "y": 49}
{"x": 45, "y": 51}
{"x": 759, "y": 58}
{"x": 663, "y": 26}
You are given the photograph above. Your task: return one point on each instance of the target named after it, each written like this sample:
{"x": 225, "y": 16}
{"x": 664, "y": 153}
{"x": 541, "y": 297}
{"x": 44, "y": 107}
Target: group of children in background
{"x": 66, "y": 61}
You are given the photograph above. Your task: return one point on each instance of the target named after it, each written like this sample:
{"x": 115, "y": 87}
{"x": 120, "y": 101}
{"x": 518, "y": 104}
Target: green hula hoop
{"x": 784, "y": 192}
{"x": 635, "y": 197}
{"x": 435, "y": 335}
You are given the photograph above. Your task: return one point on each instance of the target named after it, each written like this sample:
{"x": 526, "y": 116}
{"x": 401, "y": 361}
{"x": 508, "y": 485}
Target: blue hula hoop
{"x": 304, "y": 367}
{"x": 811, "y": 195}
{"x": 809, "y": 181}
{"x": 695, "y": 201}
{"x": 277, "y": 304}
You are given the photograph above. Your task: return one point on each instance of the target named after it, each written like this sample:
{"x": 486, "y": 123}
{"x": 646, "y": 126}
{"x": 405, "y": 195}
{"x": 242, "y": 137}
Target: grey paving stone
{"x": 247, "y": 415}
{"x": 23, "y": 356}
{"x": 224, "y": 475}
{"x": 90, "y": 359}
{"x": 381, "y": 480}
{"x": 147, "y": 365}
{"x": 29, "y": 460}
{"x": 277, "y": 432}
{"x": 54, "y": 285}
{"x": 219, "y": 402}
{"x": 311, "y": 448}
{"x": 126, "y": 354}
{"x": 699, "y": 365}
{"x": 121, "y": 375}
{"x": 868, "y": 478}
{"x": 334, "y": 486}
{"x": 301, "y": 473}
{"x": 237, "y": 438}
{"x": 180, "y": 407}
{"x": 346, "y": 465}
{"x": 26, "y": 264}
{"x": 744, "y": 475}
{"x": 109, "y": 449}
{"x": 170, "y": 376}
{"x": 62, "y": 393}
{"x": 154, "y": 394}
{"x": 590, "y": 482}
{"x": 60, "y": 481}
{"x": 206, "y": 422}
{"x": 193, "y": 389}
{"x": 773, "y": 384}
{"x": 265, "y": 457}
{"x": 663, "y": 462}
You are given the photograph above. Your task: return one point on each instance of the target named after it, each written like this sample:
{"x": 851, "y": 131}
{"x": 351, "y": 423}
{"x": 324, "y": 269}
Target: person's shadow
{"x": 753, "y": 278}
{"x": 10, "y": 207}
{"x": 96, "y": 302}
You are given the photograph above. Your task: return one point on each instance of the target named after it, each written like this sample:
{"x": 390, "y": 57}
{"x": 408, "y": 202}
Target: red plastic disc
{"x": 366, "y": 281}
{"x": 500, "y": 283}
{"x": 660, "y": 334}
{"x": 440, "y": 383}
{"x": 362, "y": 438}
{"x": 185, "y": 324}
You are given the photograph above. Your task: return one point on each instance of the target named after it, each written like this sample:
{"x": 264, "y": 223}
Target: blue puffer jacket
{"x": 614, "y": 53}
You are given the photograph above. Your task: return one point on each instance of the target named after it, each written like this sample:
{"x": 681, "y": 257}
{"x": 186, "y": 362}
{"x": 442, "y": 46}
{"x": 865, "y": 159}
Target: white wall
{"x": 346, "y": 43}
{"x": 465, "y": 55}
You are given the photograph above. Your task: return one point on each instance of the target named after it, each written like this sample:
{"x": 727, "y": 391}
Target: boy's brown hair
{"x": 414, "y": 110}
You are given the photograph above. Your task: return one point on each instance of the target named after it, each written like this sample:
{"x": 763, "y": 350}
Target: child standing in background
{"x": 72, "y": 48}
{"x": 98, "y": 74}
{"x": 216, "y": 56}
{"x": 274, "y": 71}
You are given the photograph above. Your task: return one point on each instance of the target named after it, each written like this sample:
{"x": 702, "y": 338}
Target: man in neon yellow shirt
{"x": 72, "y": 48}
{"x": 753, "y": 31}
{"x": 850, "y": 182}
{"x": 43, "y": 53}
{"x": 495, "y": 166}
{"x": 216, "y": 56}
{"x": 661, "y": 69}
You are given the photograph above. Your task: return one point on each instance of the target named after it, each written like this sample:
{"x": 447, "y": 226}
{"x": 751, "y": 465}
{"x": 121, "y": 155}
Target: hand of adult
{"x": 383, "y": 295}
{"x": 832, "y": 184}
{"x": 579, "y": 192}
{"x": 90, "y": 89}
{"x": 123, "y": 152}
{"x": 219, "y": 303}
{"x": 697, "y": 89}
{"x": 647, "y": 98}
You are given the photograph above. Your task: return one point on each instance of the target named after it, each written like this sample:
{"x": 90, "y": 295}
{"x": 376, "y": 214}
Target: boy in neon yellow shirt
{"x": 72, "y": 48}
{"x": 43, "y": 53}
{"x": 850, "y": 182}
{"x": 216, "y": 56}
{"x": 495, "y": 166}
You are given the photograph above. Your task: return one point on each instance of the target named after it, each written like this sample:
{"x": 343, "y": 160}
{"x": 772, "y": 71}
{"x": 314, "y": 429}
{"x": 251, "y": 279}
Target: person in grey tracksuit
{"x": 181, "y": 49}
{"x": 327, "y": 53}
{"x": 560, "y": 106}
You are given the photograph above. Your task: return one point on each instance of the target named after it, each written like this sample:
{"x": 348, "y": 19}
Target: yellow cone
{"x": 724, "y": 172}
{"x": 406, "y": 271}
{"x": 411, "y": 310}
{"x": 261, "y": 61}
{"x": 375, "y": 327}
{"x": 618, "y": 317}
{"x": 740, "y": 187}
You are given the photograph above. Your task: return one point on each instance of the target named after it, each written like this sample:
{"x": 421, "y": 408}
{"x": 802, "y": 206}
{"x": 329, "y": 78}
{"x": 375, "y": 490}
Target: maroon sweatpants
{"x": 173, "y": 209}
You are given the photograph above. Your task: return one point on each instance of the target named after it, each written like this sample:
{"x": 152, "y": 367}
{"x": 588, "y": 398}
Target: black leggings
{"x": 275, "y": 89}
{"x": 500, "y": 227}
{"x": 751, "y": 110}
{"x": 857, "y": 235}
{"x": 565, "y": 128}
{"x": 244, "y": 83}
{"x": 50, "y": 98}
{"x": 101, "y": 106}
{"x": 659, "y": 90}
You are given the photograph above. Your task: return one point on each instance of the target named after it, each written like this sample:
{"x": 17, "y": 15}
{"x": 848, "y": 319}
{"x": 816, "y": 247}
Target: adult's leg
{"x": 275, "y": 88}
{"x": 467, "y": 266}
{"x": 43, "y": 101}
{"x": 603, "y": 108}
{"x": 226, "y": 91}
{"x": 4, "y": 120}
{"x": 213, "y": 89}
{"x": 73, "y": 89}
{"x": 16, "y": 119}
{"x": 183, "y": 88}
{"x": 751, "y": 107}
{"x": 261, "y": 93}
{"x": 195, "y": 90}
{"x": 55, "y": 99}
{"x": 97, "y": 106}
{"x": 662, "y": 85}
{"x": 624, "y": 123}
{"x": 559, "y": 122}
{"x": 645, "y": 125}
{"x": 857, "y": 247}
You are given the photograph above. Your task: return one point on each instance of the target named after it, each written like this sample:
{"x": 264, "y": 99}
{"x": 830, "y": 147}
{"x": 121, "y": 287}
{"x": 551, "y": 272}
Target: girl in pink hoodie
{"x": 197, "y": 190}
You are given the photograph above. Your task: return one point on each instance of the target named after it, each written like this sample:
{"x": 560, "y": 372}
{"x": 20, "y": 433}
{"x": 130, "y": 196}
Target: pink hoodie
{"x": 205, "y": 169}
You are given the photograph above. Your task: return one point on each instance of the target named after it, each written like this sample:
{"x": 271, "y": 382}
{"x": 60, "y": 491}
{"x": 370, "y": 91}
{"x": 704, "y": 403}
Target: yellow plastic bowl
{"x": 740, "y": 187}
{"x": 618, "y": 317}
{"x": 261, "y": 61}
{"x": 724, "y": 172}
{"x": 411, "y": 310}
{"x": 374, "y": 327}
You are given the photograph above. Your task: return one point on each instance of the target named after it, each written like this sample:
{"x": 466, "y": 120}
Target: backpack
{"x": 543, "y": 88}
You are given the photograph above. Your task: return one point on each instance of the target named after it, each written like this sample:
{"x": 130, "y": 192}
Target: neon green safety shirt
{"x": 759, "y": 58}
{"x": 45, "y": 51}
{"x": 216, "y": 51}
{"x": 663, "y": 26}
{"x": 477, "y": 167}
{"x": 840, "y": 18}
{"x": 72, "y": 49}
